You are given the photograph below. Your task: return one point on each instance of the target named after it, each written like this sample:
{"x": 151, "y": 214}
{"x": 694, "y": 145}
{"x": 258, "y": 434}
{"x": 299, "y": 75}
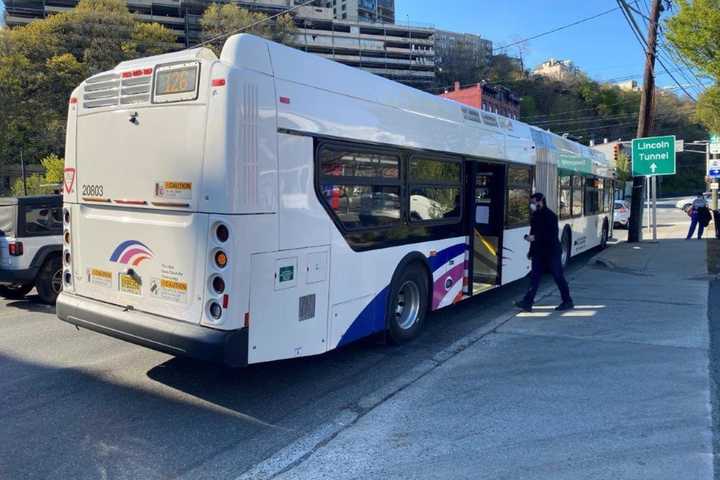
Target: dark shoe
{"x": 565, "y": 306}
{"x": 523, "y": 305}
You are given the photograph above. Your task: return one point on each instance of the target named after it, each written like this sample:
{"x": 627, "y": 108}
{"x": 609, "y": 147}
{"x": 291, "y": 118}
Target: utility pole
{"x": 645, "y": 117}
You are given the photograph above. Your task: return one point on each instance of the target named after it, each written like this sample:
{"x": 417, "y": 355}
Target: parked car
{"x": 686, "y": 203}
{"x": 621, "y": 213}
{"x": 31, "y": 246}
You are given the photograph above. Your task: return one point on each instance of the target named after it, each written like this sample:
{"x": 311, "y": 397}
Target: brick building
{"x": 491, "y": 98}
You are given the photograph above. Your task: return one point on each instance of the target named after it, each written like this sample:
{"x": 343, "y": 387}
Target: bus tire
{"x": 566, "y": 248}
{"x": 604, "y": 235}
{"x": 49, "y": 280}
{"x": 16, "y": 292}
{"x": 407, "y": 303}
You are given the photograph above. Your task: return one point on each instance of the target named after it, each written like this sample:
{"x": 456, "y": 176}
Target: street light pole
{"x": 714, "y": 191}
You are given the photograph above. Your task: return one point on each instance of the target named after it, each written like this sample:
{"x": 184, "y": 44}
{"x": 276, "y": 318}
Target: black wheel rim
{"x": 56, "y": 282}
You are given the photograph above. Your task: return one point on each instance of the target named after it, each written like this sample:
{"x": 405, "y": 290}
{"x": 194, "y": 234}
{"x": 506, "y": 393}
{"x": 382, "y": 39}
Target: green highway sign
{"x": 653, "y": 156}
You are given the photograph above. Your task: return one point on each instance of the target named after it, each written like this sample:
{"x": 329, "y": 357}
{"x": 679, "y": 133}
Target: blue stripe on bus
{"x": 442, "y": 257}
{"x": 372, "y": 319}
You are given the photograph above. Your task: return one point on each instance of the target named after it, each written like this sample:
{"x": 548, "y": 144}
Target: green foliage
{"x": 623, "y": 167}
{"x": 39, "y": 184}
{"x": 42, "y": 62}
{"x": 695, "y": 32}
{"x": 220, "y": 20}
{"x": 708, "y": 108}
{"x": 54, "y": 168}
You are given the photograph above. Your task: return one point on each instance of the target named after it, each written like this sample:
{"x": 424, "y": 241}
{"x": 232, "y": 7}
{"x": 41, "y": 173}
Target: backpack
{"x": 704, "y": 216}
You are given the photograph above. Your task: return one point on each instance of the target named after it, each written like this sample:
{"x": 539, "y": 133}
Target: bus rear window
{"x": 176, "y": 82}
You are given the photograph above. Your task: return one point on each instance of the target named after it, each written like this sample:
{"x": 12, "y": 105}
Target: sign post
{"x": 653, "y": 156}
{"x": 713, "y": 167}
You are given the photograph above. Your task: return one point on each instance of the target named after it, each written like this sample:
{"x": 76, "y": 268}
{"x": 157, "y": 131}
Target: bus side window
{"x": 361, "y": 189}
{"x": 564, "y": 196}
{"x": 577, "y": 195}
{"x": 434, "y": 187}
{"x": 519, "y": 189}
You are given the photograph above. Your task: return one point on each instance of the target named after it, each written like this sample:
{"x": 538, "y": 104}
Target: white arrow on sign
{"x": 653, "y": 167}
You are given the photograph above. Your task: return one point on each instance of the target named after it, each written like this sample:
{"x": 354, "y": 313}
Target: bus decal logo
{"x": 131, "y": 252}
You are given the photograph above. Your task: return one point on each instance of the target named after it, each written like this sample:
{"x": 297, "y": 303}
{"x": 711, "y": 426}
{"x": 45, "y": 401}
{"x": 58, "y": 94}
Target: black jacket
{"x": 544, "y": 226}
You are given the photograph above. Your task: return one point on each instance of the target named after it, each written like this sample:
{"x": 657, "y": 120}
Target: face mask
{"x": 533, "y": 207}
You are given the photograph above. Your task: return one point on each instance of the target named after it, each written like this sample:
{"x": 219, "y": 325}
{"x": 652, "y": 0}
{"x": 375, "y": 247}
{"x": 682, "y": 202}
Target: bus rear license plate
{"x": 129, "y": 284}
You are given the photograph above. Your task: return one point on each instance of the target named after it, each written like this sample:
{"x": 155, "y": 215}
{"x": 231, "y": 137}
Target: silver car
{"x": 621, "y": 213}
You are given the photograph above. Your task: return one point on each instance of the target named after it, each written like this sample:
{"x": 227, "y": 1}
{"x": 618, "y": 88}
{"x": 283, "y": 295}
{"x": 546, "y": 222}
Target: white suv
{"x": 31, "y": 246}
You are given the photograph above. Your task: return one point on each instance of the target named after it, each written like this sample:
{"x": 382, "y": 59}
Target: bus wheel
{"x": 565, "y": 245}
{"x": 407, "y": 304}
{"x": 604, "y": 237}
{"x": 49, "y": 281}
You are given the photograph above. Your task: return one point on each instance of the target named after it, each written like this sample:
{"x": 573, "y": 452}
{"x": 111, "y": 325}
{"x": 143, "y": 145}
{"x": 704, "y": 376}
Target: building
{"x": 472, "y": 49}
{"x": 628, "y": 86}
{"x": 559, "y": 70}
{"x": 400, "y": 52}
{"x": 368, "y": 11}
{"x": 492, "y": 98}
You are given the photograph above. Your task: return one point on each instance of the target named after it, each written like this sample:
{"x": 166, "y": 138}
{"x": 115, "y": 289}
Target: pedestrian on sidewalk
{"x": 699, "y": 215}
{"x": 545, "y": 253}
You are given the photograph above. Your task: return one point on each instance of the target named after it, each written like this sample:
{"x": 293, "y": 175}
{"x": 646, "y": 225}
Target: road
{"x": 671, "y": 222}
{"x": 80, "y": 405}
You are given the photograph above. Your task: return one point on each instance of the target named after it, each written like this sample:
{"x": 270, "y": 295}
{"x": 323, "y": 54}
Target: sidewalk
{"x": 616, "y": 389}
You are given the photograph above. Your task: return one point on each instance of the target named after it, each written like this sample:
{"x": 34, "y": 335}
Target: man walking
{"x": 545, "y": 253}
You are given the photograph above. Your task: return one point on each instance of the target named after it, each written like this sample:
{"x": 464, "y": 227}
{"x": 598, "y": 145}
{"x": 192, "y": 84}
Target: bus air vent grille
{"x": 109, "y": 89}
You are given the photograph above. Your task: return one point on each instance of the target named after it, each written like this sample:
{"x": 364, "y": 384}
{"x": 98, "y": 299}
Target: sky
{"x": 604, "y": 48}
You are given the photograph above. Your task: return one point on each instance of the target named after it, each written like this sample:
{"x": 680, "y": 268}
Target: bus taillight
{"x": 221, "y": 259}
{"x": 67, "y": 255}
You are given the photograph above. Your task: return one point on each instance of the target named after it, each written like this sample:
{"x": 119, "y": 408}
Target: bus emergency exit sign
{"x": 653, "y": 156}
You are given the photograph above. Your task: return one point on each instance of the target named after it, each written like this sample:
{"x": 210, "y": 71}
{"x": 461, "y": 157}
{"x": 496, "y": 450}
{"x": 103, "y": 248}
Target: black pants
{"x": 552, "y": 265}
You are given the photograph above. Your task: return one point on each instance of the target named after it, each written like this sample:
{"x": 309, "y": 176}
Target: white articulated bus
{"x": 273, "y": 204}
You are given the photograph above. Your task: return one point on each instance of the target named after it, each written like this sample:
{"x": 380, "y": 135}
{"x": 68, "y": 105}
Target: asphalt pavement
{"x": 76, "y": 404}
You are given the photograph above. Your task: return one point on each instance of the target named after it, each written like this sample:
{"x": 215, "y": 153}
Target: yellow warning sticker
{"x": 102, "y": 278}
{"x": 171, "y": 290}
{"x": 129, "y": 284}
{"x": 174, "y": 190}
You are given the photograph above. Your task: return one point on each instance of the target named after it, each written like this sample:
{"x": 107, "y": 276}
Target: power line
{"x": 670, "y": 57}
{"x": 627, "y": 12}
{"x": 563, "y": 27}
{"x": 619, "y": 116}
{"x": 615, "y": 125}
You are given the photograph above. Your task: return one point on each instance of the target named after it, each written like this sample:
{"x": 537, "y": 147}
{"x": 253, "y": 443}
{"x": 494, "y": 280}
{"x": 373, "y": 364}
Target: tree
{"x": 42, "y": 62}
{"x": 623, "y": 167}
{"x": 457, "y": 62}
{"x": 39, "y": 184}
{"x": 695, "y": 32}
{"x": 218, "y": 21}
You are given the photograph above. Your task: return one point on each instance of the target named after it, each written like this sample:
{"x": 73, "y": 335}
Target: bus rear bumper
{"x": 175, "y": 337}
